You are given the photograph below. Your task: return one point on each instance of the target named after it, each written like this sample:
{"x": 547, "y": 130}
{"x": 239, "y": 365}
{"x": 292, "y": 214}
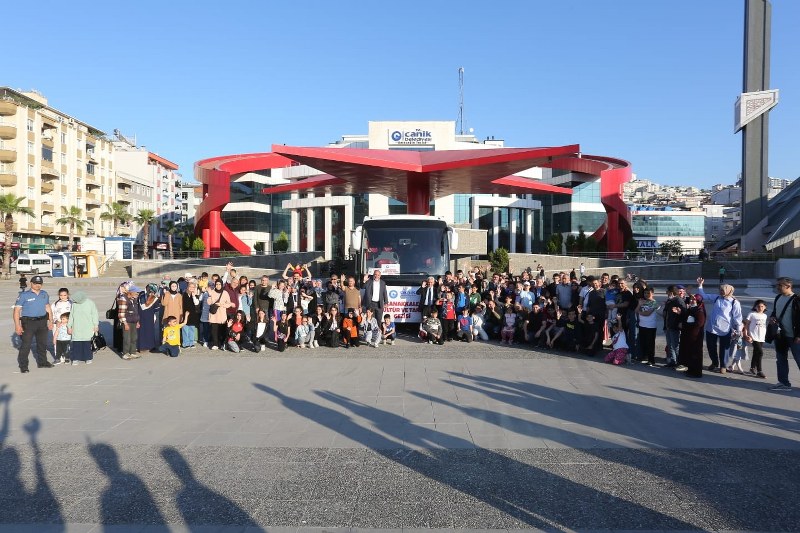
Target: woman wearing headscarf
{"x": 724, "y": 322}
{"x": 82, "y": 325}
{"x": 149, "y": 318}
{"x": 218, "y": 303}
{"x": 122, "y": 293}
{"x": 690, "y": 350}
{"x": 172, "y": 302}
{"x": 191, "y": 314}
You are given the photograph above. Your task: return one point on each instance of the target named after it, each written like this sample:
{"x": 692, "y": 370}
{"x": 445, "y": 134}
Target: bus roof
{"x": 405, "y": 217}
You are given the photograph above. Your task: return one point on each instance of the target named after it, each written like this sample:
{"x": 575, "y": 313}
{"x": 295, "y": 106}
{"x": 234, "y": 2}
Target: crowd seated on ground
{"x": 616, "y": 317}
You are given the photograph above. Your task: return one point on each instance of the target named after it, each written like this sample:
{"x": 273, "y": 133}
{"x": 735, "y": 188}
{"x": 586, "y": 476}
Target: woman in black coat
{"x": 693, "y": 321}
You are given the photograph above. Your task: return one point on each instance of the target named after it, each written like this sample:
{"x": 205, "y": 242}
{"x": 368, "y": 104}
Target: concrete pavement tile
{"x": 328, "y": 514}
{"x": 272, "y": 513}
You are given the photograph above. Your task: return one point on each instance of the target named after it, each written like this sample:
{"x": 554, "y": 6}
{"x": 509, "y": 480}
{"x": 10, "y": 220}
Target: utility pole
{"x": 460, "y": 100}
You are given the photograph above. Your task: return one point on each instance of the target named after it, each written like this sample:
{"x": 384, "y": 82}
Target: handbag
{"x": 774, "y": 328}
{"x": 98, "y": 342}
{"x": 111, "y": 314}
{"x": 213, "y": 308}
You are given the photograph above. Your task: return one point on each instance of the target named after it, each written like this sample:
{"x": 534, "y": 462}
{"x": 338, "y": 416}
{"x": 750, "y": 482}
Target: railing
{"x": 108, "y": 262}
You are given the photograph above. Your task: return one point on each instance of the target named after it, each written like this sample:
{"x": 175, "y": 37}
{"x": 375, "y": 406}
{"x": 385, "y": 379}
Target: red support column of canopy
{"x": 419, "y": 194}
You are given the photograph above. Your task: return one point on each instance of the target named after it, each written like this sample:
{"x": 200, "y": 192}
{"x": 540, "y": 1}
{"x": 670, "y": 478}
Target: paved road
{"x": 411, "y": 436}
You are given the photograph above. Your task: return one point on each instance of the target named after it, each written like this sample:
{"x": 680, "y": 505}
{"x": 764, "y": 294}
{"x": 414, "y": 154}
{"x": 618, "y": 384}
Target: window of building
{"x": 79, "y": 183}
{"x": 31, "y": 192}
{"x": 30, "y": 124}
{"x": 63, "y": 137}
{"x": 47, "y": 154}
{"x": 90, "y": 168}
{"x": 462, "y": 212}
{"x": 31, "y": 148}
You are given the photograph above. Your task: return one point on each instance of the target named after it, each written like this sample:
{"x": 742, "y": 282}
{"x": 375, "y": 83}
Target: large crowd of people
{"x": 617, "y": 317}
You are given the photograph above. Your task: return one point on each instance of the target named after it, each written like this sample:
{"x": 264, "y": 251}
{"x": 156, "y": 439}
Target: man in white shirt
{"x": 375, "y": 294}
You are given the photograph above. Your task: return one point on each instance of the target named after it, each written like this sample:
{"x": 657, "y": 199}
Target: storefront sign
{"x": 390, "y": 269}
{"x": 403, "y": 304}
{"x": 647, "y": 244}
{"x": 410, "y": 137}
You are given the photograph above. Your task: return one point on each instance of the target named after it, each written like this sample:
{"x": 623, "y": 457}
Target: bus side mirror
{"x": 453, "y": 238}
{"x": 355, "y": 239}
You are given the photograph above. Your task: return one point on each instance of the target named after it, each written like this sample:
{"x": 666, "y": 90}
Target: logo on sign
{"x": 416, "y": 136}
{"x": 393, "y": 294}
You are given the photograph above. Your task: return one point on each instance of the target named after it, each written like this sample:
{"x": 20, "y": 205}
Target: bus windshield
{"x": 406, "y": 251}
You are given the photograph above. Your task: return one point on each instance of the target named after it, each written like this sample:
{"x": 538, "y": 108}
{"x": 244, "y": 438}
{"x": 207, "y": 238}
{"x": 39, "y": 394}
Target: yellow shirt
{"x": 172, "y": 335}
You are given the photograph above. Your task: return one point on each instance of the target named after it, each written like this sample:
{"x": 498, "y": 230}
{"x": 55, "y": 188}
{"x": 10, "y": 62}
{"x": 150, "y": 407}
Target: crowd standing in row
{"x": 571, "y": 312}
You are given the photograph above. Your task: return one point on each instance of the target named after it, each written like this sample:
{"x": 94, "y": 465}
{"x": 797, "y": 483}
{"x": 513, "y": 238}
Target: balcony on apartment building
{"x": 8, "y": 131}
{"x": 47, "y": 206}
{"x": 8, "y": 178}
{"x": 92, "y": 199}
{"x": 8, "y": 107}
{"x": 7, "y": 154}
{"x": 47, "y": 186}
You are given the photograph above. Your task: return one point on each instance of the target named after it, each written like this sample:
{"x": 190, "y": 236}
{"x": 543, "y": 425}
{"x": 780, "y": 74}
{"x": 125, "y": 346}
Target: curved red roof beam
{"x": 615, "y": 233}
{"x": 417, "y": 177}
{"x": 215, "y": 176}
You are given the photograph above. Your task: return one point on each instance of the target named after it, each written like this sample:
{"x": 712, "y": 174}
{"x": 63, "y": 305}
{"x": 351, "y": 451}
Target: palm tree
{"x": 74, "y": 217}
{"x": 145, "y": 218}
{"x": 116, "y": 213}
{"x": 172, "y": 229}
{"x": 9, "y": 206}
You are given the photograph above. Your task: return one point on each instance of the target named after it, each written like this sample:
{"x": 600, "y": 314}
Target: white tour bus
{"x": 34, "y": 264}
{"x": 406, "y": 249}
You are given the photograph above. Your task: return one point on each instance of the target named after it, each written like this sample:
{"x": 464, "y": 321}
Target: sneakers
{"x": 90, "y": 361}
{"x": 24, "y": 371}
{"x": 681, "y": 368}
{"x": 374, "y": 344}
{"x": 75, "y": 363}
{"x": 263, "y": 347}
{"x": 301, "y": 345}
{"x": 781, "y": 387}
{"x": 135, "y": 355}
{"x": 46, "y": 364}
{"x": 761, "y": 375}
{"x": 315, "y": 344}
{"x": 126, "y": 356}
{"x": 391, "y": 342}
{"x": 215, "y": 347}
{"x": 59, "y": 361}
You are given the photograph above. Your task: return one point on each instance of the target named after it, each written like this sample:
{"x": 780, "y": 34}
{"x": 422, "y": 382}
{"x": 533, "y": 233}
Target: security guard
{"x": 33, "y": 317}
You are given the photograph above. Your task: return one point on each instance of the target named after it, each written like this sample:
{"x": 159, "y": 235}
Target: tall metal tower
{"x": 461, "y": 100}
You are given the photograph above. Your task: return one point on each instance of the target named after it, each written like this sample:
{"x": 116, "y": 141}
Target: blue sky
{"x": 650, "y": 81}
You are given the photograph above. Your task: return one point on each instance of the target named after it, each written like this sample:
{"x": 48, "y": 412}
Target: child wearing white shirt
{"x": 755, "y": 328}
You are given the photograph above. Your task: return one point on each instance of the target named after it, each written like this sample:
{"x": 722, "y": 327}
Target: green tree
{"x": 74, "y": 217}
{"x": 144, "y": 218}
{"x": 10, "y": 206}
{"x": 632, "y": 246}
{"x": 499, "y": 260}
{"x": 198, "y": 245}
{"x": 116, "y": 213}
{"x": 670, "y": 248}
{"x": 571, "y": 243}
{"x": 172, "y": 230}
{"x": 580, "y": 241}
{"x": 554, "y": 243}
{"x": 281, "y": 244}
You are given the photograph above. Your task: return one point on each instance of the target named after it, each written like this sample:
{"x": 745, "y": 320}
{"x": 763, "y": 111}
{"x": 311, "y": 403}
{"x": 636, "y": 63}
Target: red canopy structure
{"x": 415, "y": 177}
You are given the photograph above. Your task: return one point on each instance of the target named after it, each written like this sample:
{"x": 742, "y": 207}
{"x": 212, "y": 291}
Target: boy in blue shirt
{"x": 388, "y": 330}
{"x": 465, "y": 325}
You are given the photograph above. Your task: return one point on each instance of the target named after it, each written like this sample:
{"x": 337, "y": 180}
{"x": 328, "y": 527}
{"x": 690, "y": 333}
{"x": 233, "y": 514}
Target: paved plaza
{"x": 464, "y": 436}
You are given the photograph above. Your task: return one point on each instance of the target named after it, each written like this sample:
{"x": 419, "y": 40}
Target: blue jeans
{"x": 673, "y": 344}
{"x": 205, "y": 332}
{"x": 170, "y": 350}
{"x": 782, "y": 347}
{"x": 724, "y": 341}
{"x": 189, "y": 334}
{"x": 632, "y": 336}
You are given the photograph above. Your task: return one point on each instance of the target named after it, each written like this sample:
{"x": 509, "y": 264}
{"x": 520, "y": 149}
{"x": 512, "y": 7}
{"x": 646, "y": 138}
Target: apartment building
{"x": 146, "y": 180}
{"x": 55, "y": 162}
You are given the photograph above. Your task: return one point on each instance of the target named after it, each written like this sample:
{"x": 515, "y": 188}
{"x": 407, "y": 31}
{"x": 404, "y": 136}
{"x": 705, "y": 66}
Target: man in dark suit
{"x": 428, "y": 296}
{"x": 375, "y": 294}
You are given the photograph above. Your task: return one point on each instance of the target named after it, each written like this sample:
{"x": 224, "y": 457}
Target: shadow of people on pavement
{"x": 198, "y": 504}
{"x": 126, "y": 499}
{"x": 20, "y": 505}
{"x": 509, "y": 492}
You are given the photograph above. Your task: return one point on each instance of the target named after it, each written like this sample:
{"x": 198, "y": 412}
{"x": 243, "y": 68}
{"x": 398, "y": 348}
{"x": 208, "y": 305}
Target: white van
{"x": 34, "y": 264}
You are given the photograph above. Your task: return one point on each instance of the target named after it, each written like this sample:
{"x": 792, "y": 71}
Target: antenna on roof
{"x": 460, "y": 100}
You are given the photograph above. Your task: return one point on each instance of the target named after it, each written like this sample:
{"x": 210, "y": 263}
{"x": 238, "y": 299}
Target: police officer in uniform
{"x": 33, "y": 317}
